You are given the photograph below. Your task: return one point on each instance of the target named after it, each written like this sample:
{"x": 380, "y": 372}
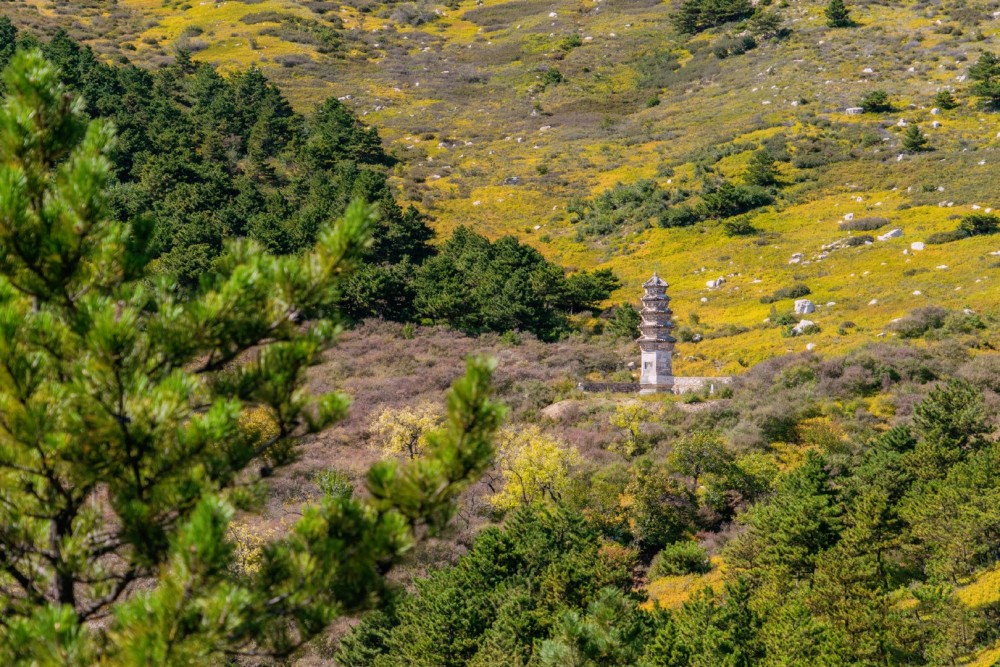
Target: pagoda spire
{"x": 656, "y": 341}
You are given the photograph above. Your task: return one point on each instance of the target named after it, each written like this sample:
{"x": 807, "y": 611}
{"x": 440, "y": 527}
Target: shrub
{"x": 977, "y": 224}
{"x": 863, "y": 224}
{"x": 334, "y": 484}
{"x": 552, "y": 77}
{"x": 796, "y": 291}
{"x": 734, "y": 46}
{"x": 738, "y": 226}
{"x": 860, "y": 239}
{"x": 679, "y": 216}
{"x": 939, "y": 238}
{"x": 570, "y": 42}
{"x": 876, "y": 101}
{"x": 919, "y": 322}
{"x": 680, "y": 558}
{"x": 945, "y": 100}
{"x": 728, "y": 199}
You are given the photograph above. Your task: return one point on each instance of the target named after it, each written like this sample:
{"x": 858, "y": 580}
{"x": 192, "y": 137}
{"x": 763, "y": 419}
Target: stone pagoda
{"x": 656, "y": 341}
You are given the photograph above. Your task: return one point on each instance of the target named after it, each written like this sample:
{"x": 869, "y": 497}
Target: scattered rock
{"x": 935, "y": 125}
{"x": 811, "y": 346}
{"x": 854, "y": 111}
{"x": 873, "y": 302}
{"x": 891, "y": 234}
{"x": 801, "y": 327}
{"x": 796, "y": 258}
{"x": 804, "y": 307}
{"x": 917, "y": 245}
{"x": 715, "y": 284}
{"x": 935, "y": 111}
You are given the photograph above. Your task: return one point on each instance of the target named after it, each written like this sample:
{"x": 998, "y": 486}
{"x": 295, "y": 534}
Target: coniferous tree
{"x": 625, "y": 322}
{"x": 986, "y": 74}
{"x": 123, "y": 445}
{"x": 837, "y": 15}
{"x": 915, "y": 141}
{"x": 761, "y": 170}
{"x": 945, "y": 99}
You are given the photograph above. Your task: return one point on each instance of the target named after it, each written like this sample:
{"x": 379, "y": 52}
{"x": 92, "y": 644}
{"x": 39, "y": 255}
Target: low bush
{"x": 734, "y": 46}
{"x": 939, "y": 238}
{"x": 977, "y": 224}
{"x": 727, "y": 199}
{"x": 860, "y": 239}
{"x": 680, "y": 558}
{"x": 679, "y": 216}
{"x": 796, "y": 291}
{"x": 863, "y": 224}
{"x": 738, "y": 226}
{"x": 919, "y": 322}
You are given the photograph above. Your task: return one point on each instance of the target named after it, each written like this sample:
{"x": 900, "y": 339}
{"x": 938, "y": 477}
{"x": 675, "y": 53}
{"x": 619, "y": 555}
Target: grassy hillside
{"x": 460, "y": 93}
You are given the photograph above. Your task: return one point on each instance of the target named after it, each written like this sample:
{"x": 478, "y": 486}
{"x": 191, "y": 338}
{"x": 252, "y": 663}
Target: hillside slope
{"x": 490, "y": 140}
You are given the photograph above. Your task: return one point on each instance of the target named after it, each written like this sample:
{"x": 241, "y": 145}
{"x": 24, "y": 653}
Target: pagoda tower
{"x": 656, "y": 341}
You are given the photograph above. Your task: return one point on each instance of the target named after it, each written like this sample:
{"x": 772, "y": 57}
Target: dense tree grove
{"x": 201, "y": 158}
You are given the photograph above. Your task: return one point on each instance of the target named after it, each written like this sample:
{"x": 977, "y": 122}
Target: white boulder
{"x": 917, "y": 245}
{"x": 801, "y": 327}
{"x": 891, "y": 234}
{"x": 804, "y": 307}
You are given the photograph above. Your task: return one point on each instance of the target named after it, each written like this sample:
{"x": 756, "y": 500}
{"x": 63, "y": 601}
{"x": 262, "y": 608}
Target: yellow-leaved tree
{"x": 534, "y": 467}
{"x": 629, "y": 418}
{"x": 404, "y": 431}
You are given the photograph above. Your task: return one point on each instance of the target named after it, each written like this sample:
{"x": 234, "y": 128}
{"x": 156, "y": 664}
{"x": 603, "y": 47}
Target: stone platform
{"x": 678, "y": 385}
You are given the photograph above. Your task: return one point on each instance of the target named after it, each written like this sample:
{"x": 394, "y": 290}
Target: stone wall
{"x": 682, "y": 385}
{"x": 612, "y": 387}
{"x": 688, "y": 385}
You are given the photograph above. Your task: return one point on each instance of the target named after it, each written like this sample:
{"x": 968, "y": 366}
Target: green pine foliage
{"x": 761, "y": 169}
{"x": 123, "y": 454}
{"x": 877, "y": 101}
{"x": 693, "y": 16}
{"x": 986, "y": 75}
{"x": 477, "y": 285}
{"x": 837, "y": 15}
{"x": 915, "y": 141}
{"x": 538, "y": 588}
{"x": 625, "y": 322}
{"x": 210, "y": 158}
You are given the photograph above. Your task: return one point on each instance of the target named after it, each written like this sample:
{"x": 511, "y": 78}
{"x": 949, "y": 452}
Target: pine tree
{"x": 986, "y": 74}
{"x": 945, "y": 100}
{"x": 915, "y": 141}
{"x": 125, "y": 446}
{"x": 625, "y": 322}
{"x": 761, "y": 170}
{"x": 950, "y": 423}
{"x": 837, "y": 15}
